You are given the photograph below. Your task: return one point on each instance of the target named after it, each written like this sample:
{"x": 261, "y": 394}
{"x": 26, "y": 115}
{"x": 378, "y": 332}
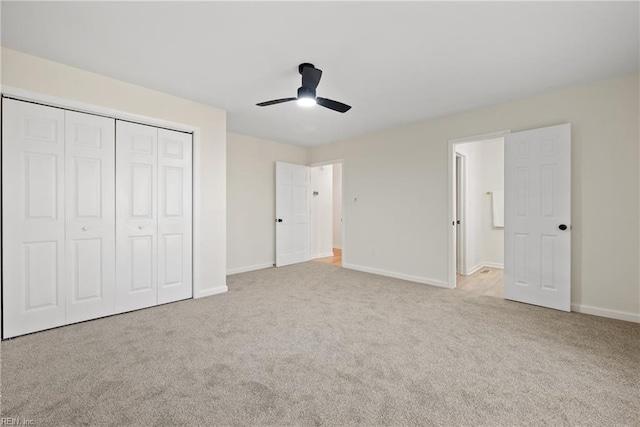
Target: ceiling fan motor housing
{"x": 305, "y": 92}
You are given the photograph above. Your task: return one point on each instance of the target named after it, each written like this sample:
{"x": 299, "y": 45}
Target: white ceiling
{"x": 394, "y": 62}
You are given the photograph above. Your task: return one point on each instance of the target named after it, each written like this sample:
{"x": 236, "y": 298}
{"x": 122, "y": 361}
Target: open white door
{"x": 537, "y": 232}
{"x": 292, "y": 214}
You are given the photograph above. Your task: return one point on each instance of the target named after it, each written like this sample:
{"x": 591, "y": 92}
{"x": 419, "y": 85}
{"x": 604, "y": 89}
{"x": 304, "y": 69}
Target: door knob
{"x": 278, "y": 219}
{"x": 562, "y": 227}
{"x": 139, "y": 227}
{"x": 84, "y": 228}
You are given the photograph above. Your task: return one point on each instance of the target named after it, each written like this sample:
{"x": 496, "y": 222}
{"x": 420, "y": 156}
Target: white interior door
{"x": 292, "y": 214}
{"x": 90, "y": 216}
{"x": 174, "y": 216}
{"x": 33, "y": 221}
{"x": 537, "y": 261}
{"x": 136, "y": 216}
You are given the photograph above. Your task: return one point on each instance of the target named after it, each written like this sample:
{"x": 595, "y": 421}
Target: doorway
{"x": 326, "y": 213}
{"x": 478, "y": 195}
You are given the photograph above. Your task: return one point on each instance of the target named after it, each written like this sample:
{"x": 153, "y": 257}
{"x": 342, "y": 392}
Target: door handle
{"x": 84, "y": 228}
{"x": 562, "y": 227}
{"x": 139, "y": 227}
{"x": 278, "y": 219}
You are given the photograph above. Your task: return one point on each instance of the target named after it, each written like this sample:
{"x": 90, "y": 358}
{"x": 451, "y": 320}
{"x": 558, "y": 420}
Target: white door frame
{"x": 67, "y": 104}
{"x": 344, "y": 220}
{"x": 451, "y": 190}
{"x": 461, "y": 212}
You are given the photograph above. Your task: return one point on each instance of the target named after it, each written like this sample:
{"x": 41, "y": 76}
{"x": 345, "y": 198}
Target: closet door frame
{"x": 81, "y": 107}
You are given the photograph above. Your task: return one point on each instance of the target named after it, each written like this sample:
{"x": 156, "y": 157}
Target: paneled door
{"x": 174, "y": 216}
{"x": 136, "y": 216}
{"x": 33, "y": 219}
{"x": 90, "y": 215}
{"x": 537, "y": 229}
{"x": 292, "y": 214}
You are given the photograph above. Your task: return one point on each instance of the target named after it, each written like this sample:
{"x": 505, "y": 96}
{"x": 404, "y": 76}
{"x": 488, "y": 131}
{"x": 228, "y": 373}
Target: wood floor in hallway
{"x": 486, "y": 281}
{"x": 336, "y": 259}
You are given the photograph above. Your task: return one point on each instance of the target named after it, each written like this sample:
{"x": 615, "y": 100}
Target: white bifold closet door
{"x": 33, "y": 236}
{"x": 174, "y": 216}
{"x": 96, "y": 216}
{"x": 90, "y": 216}
{"x": 58, "y": 217}
{"x": 153, "y": 216}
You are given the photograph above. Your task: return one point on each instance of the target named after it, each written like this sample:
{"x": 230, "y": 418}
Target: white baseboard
{"x": 603, "y": 312}
{"x": 249, "y": 268}
{"x": 473, "y": 269}
{"x": 482, "y": 265}
{"x": 212, "y": 291}
{"x": 408, "y": 277}
{"x": 337, "y": 247}
{"x": 323, "y": 255}
{"x": 494, "y": 265}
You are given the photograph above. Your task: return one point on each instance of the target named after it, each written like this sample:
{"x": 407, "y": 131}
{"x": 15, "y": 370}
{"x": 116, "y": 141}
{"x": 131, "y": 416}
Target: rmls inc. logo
{"x": 16, "y": 421}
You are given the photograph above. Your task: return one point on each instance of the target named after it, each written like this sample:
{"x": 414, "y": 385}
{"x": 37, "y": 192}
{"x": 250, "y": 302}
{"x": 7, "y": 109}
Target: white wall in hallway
{"x": 251, "y": 199}
{"x": 484, "y": 172}
{"x": 321, "y": 211}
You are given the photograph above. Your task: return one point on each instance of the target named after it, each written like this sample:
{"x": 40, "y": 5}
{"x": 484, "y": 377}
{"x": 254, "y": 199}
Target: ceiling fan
{"x": 307, "y": 92}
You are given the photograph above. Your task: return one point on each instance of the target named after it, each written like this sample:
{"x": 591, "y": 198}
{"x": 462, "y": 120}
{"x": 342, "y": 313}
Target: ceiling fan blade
{"x": 275, "y": 101}
{"x": 333, "y": 105}
{"x": 311, "y": 77}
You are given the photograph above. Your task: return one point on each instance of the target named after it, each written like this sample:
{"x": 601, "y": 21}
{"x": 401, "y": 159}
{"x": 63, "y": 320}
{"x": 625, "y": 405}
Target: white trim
{"x": 603, "y": 312}
{"x": 474, "y": 269}
{"x": 462, "y": 248}
{"x": 337, "y": 247}
{"x": 326, "y": 163}
{"x": 481, "y": 137}
{"x": 323, "y": 255}
{"x": 402, "y": 276}
{"x": 494, "y": 265}
{"x": 482, "y": 265}
{"x": 212, "y": 291}
{"x": 451, "y": 158}
{"x": 248, "y": 268}
{"x": 67, "y": 104}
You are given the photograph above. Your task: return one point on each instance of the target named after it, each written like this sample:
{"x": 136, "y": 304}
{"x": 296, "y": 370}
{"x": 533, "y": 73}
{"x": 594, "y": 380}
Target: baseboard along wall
{"x": 408, "y": 277}
{"x": 481, "y": 265}
{"x": 603, "y": 312}
{"x": 249, "y": 268}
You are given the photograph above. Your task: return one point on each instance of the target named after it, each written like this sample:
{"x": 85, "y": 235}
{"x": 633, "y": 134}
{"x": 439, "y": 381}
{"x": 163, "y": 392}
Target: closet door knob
{"x": 139, "y": 227}
{"x": 84, "y": 228}
{"x": 562, "y": 227}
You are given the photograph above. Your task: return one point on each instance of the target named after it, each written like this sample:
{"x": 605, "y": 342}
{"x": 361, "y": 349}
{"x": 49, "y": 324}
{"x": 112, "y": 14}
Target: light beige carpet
{"x": 314, "y": 344}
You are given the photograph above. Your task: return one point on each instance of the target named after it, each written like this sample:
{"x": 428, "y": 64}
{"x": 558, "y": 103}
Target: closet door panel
{"x": 90, "y": 214}
{"x": 33, "y": 222}
{"x": 136, "y": 216}
{"x": 174, "y": 216}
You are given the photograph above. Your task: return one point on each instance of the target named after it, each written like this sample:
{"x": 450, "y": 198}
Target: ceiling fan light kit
{"x": 307, "y": 92}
